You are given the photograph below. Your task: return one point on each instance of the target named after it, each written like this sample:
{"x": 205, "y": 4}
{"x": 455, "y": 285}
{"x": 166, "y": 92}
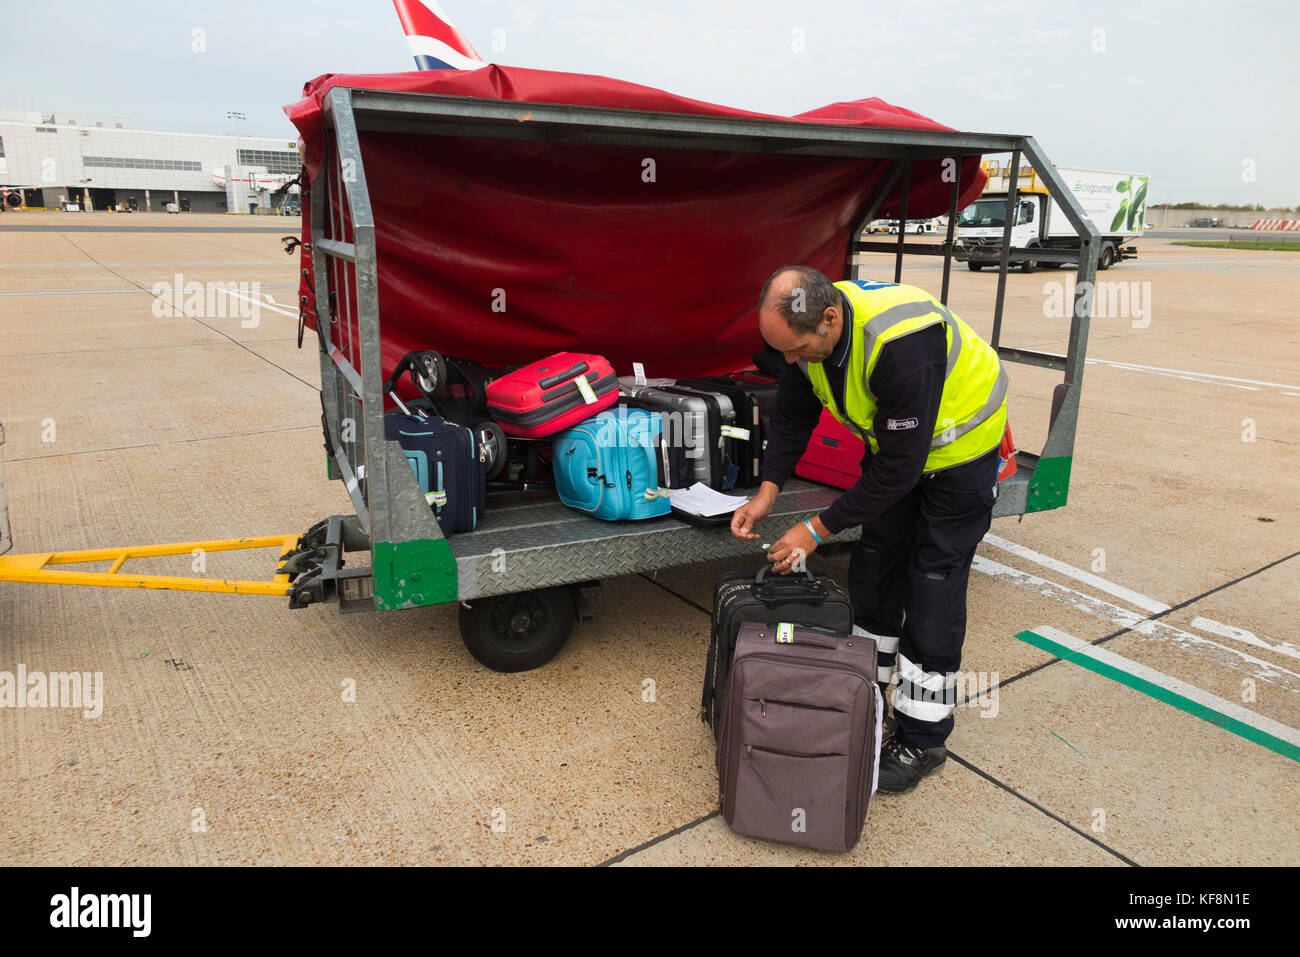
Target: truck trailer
{"x": 1114, "y": 202}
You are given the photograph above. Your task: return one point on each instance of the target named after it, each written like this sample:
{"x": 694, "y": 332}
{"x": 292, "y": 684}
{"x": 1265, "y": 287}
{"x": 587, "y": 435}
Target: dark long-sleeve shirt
{"x": 907, "y": 383}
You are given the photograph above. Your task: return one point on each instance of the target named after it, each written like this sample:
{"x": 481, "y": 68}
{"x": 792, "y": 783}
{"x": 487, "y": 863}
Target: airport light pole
{"x": 236, "y": 116}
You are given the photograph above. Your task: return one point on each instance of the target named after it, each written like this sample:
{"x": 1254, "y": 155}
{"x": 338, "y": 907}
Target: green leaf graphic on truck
{"x": 1137, "y": 210}
{"x": 1133, "y": 209}
{"x": 1130, "y": 213}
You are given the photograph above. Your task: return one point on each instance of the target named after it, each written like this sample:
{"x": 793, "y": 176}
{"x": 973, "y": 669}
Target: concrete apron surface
{"x": 225, "y": 736}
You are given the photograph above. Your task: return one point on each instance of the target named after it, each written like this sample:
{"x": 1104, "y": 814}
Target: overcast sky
{"x": 1191, "y": 93}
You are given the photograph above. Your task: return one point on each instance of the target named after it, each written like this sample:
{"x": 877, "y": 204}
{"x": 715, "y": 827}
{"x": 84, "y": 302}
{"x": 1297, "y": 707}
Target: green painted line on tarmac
{"x": 1067, "y": 744}
{"x": 1231, "y": 717}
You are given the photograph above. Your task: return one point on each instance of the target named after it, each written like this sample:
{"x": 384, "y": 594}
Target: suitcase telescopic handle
{"x": 559, "y": 377}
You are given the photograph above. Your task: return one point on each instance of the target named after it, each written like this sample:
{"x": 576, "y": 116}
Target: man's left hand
{"x": 793, "y": 548}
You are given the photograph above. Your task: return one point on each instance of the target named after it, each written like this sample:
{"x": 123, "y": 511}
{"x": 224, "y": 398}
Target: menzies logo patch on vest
{"x": 895, "y": 425}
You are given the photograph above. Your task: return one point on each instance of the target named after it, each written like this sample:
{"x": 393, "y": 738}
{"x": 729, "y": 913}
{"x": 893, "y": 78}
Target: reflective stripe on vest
{"x": 972, "y": 410}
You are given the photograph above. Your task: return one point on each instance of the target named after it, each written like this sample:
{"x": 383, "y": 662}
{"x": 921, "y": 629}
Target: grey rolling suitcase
{"x": 799, "y": 749}
{"x": 692, "y": 429}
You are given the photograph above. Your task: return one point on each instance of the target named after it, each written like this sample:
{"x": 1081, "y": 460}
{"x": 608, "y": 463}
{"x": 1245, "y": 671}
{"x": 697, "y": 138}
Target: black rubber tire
{"x": 1029, "y": 265}
{"x": 974, "y": 266}
{"x": 1106, "y": 258}
{"x": 518, "y": 632}
{"x": 493, "y": 436}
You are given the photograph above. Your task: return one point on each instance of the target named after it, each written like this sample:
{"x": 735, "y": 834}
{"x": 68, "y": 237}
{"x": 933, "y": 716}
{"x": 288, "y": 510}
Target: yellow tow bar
{"x": 36, "y": 567}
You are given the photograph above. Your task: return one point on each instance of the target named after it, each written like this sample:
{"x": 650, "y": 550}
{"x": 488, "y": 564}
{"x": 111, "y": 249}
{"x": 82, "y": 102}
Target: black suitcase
{"x": 805, "y": 599}
{"x": 753, "y": 395}
{"x": 449, "y": 463}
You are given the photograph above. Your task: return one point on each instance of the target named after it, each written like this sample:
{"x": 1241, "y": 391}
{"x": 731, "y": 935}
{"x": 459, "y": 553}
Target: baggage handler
{"x": 928, "y": 396}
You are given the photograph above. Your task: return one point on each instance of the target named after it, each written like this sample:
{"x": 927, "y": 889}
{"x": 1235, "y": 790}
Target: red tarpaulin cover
{"x": 578, "y": 249}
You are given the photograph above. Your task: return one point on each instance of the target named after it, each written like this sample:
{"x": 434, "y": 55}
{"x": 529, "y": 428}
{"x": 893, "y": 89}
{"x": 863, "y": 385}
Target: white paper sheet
{"x": 701, "y": 500}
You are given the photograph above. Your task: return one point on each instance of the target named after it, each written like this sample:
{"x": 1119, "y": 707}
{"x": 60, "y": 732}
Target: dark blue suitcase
{"x": 449, "y": 465}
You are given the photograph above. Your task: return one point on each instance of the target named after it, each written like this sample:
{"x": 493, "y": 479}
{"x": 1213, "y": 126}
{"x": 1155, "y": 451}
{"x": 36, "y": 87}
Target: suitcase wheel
{"x": 492, "y": 447}
{"x": 429, "y": 373}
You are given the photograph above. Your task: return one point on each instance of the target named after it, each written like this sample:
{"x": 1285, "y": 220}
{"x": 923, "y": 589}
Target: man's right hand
{"x": 754, "y": 511}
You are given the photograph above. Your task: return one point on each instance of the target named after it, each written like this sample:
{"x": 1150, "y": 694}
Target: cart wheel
{"x": 1029, "y": 265}
{"x": 492, "y": 447}
{"x": 1107, "y": 257}
{"x": 429, "y": 373}
{"x": 974, "y": 267}
{"x": 517, "y": 632}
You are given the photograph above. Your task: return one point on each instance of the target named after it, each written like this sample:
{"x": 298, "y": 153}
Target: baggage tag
{"x": 585, "y": 388}
{"x": 436, "y": 498}
{"x": 784, "y": 633}
{"x": 638, "y": 370}
{"x": 731, "y": 432}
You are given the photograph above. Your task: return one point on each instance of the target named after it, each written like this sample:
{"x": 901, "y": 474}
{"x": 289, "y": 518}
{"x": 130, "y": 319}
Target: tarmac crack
{"x": 226, "y": 335}
{"x": 1038, "y": 807}
{"x": 624, "y": 855}
{"x": 154, "y": 445}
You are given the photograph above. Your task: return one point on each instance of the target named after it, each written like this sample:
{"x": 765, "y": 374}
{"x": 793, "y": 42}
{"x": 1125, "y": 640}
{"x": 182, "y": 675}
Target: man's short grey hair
{"x": 807, "y": 301}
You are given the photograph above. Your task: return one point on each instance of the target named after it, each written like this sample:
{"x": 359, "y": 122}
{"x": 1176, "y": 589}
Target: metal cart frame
{"x": 528, "y": 541}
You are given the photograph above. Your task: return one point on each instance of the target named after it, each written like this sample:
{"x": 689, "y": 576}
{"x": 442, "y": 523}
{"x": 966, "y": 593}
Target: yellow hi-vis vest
{"x": 973, "y": 410}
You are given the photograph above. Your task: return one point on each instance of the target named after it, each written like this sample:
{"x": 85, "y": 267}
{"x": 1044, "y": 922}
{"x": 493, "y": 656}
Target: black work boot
{"x": 902, "y": 767}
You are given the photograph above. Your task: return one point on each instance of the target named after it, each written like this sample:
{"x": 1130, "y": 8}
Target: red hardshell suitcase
{"x": 552, "y": 394}
{"x": 834, "y": 454}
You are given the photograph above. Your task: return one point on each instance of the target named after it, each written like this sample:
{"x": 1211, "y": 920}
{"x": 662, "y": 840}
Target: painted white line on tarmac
{"x": 260, "y": 303}
{"x": 1170, "y": 690}
{"x": 1140, "y": 263}
{"x": 1149, "y": 605}
{"x": 1185, "y": 372}
{"x": 107, "y": 292}
{"x": 74, "y": 292}
{"x": 1246, "y": 637}
{"x": 1227, "y": 656}
{"x": 197, "y": 262}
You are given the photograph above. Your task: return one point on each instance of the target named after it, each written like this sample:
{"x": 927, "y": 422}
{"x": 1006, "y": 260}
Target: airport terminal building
{"x": 62, "y": 160}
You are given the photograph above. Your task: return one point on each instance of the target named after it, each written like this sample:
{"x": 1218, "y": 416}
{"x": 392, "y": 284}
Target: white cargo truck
{"x": 1115, "y": 202}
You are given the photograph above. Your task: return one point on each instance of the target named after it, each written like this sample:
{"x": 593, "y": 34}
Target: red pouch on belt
{"x": 1006, "y": 455}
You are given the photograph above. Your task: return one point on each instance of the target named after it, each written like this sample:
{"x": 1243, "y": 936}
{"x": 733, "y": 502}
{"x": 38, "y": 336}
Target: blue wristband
{"x": 817, "y": 538}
